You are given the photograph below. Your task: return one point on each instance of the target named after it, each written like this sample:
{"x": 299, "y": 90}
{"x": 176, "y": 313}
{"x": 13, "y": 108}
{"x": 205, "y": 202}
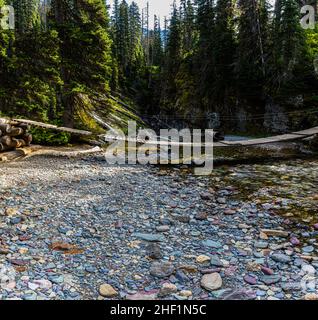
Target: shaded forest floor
{"x": 68, "y": 226}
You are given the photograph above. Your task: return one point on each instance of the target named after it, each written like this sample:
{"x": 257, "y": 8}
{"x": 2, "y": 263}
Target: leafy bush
{"x": 49, "y": 137}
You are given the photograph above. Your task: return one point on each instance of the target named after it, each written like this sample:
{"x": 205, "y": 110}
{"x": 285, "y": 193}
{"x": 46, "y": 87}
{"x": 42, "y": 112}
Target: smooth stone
{"x": 267, "y": 271}
{"x": 306, "y": 268}
{"x": 43, "y": 283}
{"x": 250, "y": 279}
{"x": 291, "y": 286}
{"x": 142, "y": 296}
{"x": 33, "y": 286}
{"x": 261, "y": 244}
{"x": 168, "y": 289}
{"x": 57, "y": 279}
{"x": 185, "y": 293}
{"x": 107, "y": 291}
{"x": 275, "y": 233}
{"x": 308, "y": 249}
{"x": 212, "y": 281}
{"x": 282, "y": 258}
{"x": 212, "y": 244}
{"x": 29, "y": 296}
{"x": 216, "y": 262}
{"x": 260, "y": 293}
{"x": 311, "y": 296}
{"x": 294, "y": 241}
{"x": 162, "y": 269}
{"x": 154, "y": 251}
{"x": 268, "y": 280}
{"x": 183, "y": 219}
{"x": 163, "y": 228}
{"x": 149, "y": 237}
{"x": 203, "y": 259}
{"x": 201, "y": 216}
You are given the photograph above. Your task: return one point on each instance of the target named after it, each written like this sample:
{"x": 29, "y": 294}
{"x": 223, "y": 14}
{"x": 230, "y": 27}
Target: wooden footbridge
{"x": 293, "y": 136}
{"x": 161, "y": 142}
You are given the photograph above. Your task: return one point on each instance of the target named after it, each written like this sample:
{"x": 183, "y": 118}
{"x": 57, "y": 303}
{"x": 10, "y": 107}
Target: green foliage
{"x": 214, "y": 56}
{"x": 48, "y": 137}
{"x": 235, "y": 55}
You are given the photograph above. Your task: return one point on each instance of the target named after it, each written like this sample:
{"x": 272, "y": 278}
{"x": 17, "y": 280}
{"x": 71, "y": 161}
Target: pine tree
{"x": 172, "y": 61}
{"x": 205, "y": 55}
{"x": 86, "y": 62}
{"x": 26, "y": 14}
{"x": 188, "y": 28}
{"x": 136, "y": 56}
{"x": 224, "y": 49}
{"x": 157, "y": 43}
{"x": 289, "y": 42}
{"x": 251, "y": 67}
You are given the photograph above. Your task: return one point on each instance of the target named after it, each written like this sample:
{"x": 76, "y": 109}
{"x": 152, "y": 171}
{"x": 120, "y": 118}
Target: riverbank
{"x": 82, "y": 229}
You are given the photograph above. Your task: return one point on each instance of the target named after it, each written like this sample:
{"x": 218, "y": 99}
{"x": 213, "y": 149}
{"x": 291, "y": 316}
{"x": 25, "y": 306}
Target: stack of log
{"x": 13, "y": 135}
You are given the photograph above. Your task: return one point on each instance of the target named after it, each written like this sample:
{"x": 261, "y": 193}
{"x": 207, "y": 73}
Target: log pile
{"x": 13, "y": 135}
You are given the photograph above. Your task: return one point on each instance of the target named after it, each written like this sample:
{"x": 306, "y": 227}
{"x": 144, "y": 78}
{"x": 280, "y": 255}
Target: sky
{"x": 159, "y": 7}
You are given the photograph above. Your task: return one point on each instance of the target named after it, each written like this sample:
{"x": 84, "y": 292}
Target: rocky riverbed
{"x": 82, "y": 229}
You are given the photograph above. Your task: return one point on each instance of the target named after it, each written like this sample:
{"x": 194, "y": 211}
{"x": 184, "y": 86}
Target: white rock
{"x": 307, "y": 268}
{"x": 211, "y": 282}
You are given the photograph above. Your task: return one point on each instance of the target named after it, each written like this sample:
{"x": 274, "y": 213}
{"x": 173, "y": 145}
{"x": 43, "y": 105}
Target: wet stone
{"x": 282, "y": 258}
{"x": 269, "y": 280}
{"x": 162, "y": 269}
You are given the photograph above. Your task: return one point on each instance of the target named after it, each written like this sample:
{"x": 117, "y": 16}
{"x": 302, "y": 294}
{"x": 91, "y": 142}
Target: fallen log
{"x": 27, "y": 138}
{"x": 5, "y": 128}
{"x": 6, "y": 141}
{"x": 16, "y": 131}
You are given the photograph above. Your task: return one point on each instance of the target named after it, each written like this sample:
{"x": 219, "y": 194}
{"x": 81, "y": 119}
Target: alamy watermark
{"x": 308, "y": 20}
{"x": 169, "y": 147}
{"x": 7, "y": 18}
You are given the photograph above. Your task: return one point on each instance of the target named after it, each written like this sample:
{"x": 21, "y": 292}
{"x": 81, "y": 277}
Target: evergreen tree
{"x": 224, "y": 49}
{"x": 289, "y": 44}
{"x": 188, "y": 28}
{"x": 157, "y": 52}
{"x": 205, "y": 55}
{"x": 251, "y": 67}
{"x": 26, "y": 14}
{"x": 136, "y": 54}
{"x": 172, "y": 61}
{"x": 86, "y": 62}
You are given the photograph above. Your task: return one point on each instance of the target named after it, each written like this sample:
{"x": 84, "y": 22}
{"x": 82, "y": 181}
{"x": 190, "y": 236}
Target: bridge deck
{"x": 294, "y": 136}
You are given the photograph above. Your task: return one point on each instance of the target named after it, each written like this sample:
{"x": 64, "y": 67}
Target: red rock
{"x": 207, "y": 271}
{"x": 201, "y": 216}
{"x": 267, "y": 271}
{"x": 229, "y": 212}
{"x": 24, "y": 238}
{"x": 19, "y": 262}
